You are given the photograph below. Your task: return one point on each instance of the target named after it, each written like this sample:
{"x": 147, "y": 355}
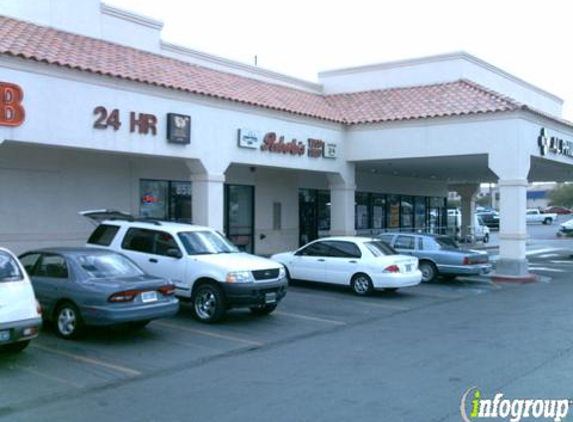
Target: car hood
{"x": 568, "y": 224}
{"x": 17, "y": 302}
{"x": 237, "y": 261}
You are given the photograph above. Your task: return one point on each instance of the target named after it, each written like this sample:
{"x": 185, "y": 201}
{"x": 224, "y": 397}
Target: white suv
{"x": 206, "y": 268}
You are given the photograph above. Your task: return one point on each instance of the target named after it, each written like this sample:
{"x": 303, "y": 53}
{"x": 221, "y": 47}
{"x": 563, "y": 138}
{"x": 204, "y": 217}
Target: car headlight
{"x": 282, "y": 272}
{"x": 239, "y": 277}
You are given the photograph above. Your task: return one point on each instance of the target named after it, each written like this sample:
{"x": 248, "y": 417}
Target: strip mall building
{"x": 97, "y": 112}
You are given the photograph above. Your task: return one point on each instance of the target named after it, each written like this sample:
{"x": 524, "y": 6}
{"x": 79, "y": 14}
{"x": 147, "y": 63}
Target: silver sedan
{"x": 86, "y": 286}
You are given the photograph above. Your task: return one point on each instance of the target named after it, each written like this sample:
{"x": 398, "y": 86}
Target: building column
{"x": 468, "y": 193}
{"x": 342, "y": 201}
{"x": 342, "y": 209}
{"x": 207, "y": 200}
{"x": 513, "y": 228}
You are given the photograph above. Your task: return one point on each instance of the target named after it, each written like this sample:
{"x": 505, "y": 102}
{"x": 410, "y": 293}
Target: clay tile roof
{"x": 420, "y": 102}
{"x": 48, "y": 45}
{"x": 55, "y": 47}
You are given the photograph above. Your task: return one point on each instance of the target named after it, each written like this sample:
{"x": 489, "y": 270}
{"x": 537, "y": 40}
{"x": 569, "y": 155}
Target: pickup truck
{"x": 536, "y": 216}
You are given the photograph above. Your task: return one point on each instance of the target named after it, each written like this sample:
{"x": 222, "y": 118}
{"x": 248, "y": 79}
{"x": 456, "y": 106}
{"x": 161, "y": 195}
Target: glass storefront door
{"x": 240, "y": 216}
{"x": 314, "y": 214}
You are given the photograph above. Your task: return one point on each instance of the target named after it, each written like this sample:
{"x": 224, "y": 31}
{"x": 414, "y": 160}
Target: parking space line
{"x": 49, "y": 377}
{"x": 438, "y": 296}
{"x": 96, "y": 362}
{"x": 209, "y": 334}
{"x": 383, "y": 305}
{"x": 309, "y": 318}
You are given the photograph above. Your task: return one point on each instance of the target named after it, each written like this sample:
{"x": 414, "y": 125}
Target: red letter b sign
{"x": 11, "y": 110}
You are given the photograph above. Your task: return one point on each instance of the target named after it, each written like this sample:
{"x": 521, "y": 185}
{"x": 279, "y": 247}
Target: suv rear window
{"x": 9, "y": 269}
{"x": 103, "y": 235}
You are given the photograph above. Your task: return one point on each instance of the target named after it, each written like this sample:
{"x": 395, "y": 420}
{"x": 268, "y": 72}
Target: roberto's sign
{"x": 271, "y": 142}
{"x": 11, "y": 109}
{"x": 553, "y": 144}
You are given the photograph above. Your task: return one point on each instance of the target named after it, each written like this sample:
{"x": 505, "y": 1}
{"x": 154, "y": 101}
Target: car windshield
{"x": 99, "y": 266}
{"x": 206, "y": 242}
{"x": 446, "y": 242}
{"x": 9, "y": 269}
{"x": 379, "y": 248}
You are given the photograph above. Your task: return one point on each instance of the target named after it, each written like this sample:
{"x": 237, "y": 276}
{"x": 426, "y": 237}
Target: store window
{"x": 437, "y": 216}
{"x": 393, "y": 211}
{"x": 362, "y": 213}
{"x": 407, "y": 212}
{"x": 378, "y": 211}
{"x": 420, "y": 213}
{"x": 165, "y": 200}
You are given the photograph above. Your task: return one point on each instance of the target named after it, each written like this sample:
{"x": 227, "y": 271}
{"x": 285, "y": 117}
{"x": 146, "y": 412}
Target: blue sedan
{"x": 85, "y": 286}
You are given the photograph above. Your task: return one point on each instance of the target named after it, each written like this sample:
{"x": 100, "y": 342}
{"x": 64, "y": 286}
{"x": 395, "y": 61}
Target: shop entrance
{"x": 240, "y": 216}
{"x": 314, "y": 214}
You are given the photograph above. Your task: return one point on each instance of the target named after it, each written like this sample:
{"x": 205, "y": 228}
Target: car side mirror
{"x": 174, "y": 253}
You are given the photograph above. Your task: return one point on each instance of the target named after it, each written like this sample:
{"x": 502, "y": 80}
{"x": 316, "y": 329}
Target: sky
{"x": 529, "y": 39}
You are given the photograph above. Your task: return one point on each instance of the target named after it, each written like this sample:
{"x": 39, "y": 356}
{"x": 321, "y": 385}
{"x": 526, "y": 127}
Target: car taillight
{"x": 167, "y": 290}
{"x": 466, "y": 261}
{"x": 126, "y": 296}
{"x": 38, "y": 308}
{"x": 392, "y": 269}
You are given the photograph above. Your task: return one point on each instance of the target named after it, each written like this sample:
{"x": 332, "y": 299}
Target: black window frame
{"x": 339, "y": 253}
{"x": 103, "y": 228}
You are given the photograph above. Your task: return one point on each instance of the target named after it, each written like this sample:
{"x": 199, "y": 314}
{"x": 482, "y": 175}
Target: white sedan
{"x": 362, "y": 263}
{"x": 20, "y": 313}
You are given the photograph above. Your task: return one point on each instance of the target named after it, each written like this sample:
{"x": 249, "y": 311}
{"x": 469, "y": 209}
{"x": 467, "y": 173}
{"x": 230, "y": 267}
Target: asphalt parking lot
{"x": 309, "y": 344}
{"x": 51, "y": 368}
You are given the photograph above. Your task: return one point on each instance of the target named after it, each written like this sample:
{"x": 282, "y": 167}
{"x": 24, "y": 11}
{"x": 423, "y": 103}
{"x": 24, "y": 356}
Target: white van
{"x": 480, "y": 232}
{"x": 20, "y": 314}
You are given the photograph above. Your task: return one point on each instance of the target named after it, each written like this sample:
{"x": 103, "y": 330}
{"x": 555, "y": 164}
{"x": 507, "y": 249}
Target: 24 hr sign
{"x": 142, "y": 123}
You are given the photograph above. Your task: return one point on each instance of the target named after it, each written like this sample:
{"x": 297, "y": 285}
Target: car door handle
{"x": 352, "y": 261}
{"x": 153, "y": 260}
{"x": 320, "y": 260}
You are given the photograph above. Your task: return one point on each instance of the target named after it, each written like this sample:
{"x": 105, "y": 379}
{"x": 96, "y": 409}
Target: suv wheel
{"x": 69, "y": 322}
{"x": 208, "y": 303}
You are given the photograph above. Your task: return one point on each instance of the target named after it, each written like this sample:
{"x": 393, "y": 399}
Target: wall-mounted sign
{"x": 12, "y": 112}
{"x": 178, "y": 128}
{"x": 249, "y": 139}
{"x": 553, "y": 144}
{"x": 143, "y": 123}
{"x": 330, "y": 151}
{"x": 272, "y": 143}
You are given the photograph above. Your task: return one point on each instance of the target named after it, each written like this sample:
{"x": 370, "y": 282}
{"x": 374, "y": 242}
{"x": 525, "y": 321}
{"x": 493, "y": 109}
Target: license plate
{"x": 147, "y": 297}
{"x": 408, "y": 268}
{"x": 4, "y": 335}
{"x": 270, "y": 297}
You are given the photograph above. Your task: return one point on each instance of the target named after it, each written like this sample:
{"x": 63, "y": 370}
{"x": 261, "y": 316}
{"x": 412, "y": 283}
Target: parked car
{"x": 489, "y": 218}
{"x": 558, "y": 210}
{"x": 439, "y": 255}
{"x": 566, "y": 229}
{"x": 533, "y": 215}
{"x": 362, "y": 263}
{"x": 80, "y": 287}
{"x": 20, "y": 313}
{"x": 207, "y": 268}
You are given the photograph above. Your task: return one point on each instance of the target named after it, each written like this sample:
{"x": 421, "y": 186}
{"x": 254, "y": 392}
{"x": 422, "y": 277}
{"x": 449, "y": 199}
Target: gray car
{"x": 439, "y": 255}
{"x": 84, "y": 286}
